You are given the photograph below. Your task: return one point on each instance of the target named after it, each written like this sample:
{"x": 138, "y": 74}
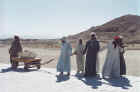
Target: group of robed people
{"x": 88, "y": 66}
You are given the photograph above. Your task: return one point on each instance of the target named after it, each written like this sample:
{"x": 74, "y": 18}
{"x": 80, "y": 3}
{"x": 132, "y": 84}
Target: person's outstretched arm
{"x": 85, "y": 50}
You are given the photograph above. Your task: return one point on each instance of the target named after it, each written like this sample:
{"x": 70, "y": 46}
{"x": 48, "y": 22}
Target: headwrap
{"x": 63, "y": 38}
{"x": 92, "y": 33}
{"x": 121, "y": 37}
{"x": 116, "y": 38}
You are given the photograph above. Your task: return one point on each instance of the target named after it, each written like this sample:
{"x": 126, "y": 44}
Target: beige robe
{"x": 80, "y": 58}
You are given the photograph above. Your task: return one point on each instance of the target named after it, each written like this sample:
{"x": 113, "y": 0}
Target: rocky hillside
{"x": 127, "y": 26}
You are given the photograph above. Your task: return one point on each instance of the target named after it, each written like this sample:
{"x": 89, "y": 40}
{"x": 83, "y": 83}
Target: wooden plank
{"x": 26, "y": 60}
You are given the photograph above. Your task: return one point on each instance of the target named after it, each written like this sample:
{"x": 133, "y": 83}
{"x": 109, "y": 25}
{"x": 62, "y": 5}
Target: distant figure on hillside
{"x": 80, "y": 57}
{"x": 91, "y": 50}
{"x": 114, "y": 64}
{"x": 64, "y": 64}
{"x": 14, "y": 50}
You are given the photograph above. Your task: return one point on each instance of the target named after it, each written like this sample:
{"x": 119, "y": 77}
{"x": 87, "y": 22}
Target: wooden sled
{"x": 31, "y": 62}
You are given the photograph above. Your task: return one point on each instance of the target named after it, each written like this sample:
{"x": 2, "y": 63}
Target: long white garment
{"x": 64, "y": 59}
{"x": 80, "y": 58}
{"x": 112, "y": 63}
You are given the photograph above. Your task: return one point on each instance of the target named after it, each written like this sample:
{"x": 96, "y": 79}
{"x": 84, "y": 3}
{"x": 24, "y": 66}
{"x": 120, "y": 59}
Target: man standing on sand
{"x": 122, "y": 60}
{"x": 91, "y": 50}
{"x": 14, "y": 50}
{"x": 111, "y": 68}
{"x": 80, "y": 57}
{"x": 64, "y": 64}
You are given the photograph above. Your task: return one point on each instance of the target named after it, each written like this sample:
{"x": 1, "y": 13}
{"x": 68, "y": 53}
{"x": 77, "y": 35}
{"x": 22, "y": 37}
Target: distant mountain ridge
{"x": 128, "y": 26}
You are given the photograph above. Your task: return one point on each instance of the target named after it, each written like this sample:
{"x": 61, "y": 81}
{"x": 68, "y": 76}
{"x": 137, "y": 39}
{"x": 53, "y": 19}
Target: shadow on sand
{"x": 21, "y": 70}
{"x": 94, "y": 82}
{"x": 62, "y": 78}
{"x": 122, "y": 82}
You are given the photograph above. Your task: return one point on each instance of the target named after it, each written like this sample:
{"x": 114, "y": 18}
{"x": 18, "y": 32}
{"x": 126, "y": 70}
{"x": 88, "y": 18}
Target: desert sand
{"x": 45, "y": 80}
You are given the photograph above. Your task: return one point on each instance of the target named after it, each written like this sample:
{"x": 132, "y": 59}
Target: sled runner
{"x": 31, "y": 62}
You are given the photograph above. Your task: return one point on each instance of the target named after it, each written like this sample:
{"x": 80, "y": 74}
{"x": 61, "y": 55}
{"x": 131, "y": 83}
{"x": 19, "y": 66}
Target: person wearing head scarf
{"x": 64, "y": 64}
{"x": 91, "y": 50}
{"x": 80, "y": 57}
{"x": 14, "y": 50}
{"x": 111, "y": 68}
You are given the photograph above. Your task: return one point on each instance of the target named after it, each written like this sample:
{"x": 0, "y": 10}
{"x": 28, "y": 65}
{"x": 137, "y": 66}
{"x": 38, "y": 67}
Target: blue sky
{"x": 57, "y": 18}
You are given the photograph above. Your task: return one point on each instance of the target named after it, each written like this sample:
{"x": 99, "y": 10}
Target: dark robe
{"x": 91, "y": 50}
{"x": 14, "y": 50}
{"x": 122, "y": 63}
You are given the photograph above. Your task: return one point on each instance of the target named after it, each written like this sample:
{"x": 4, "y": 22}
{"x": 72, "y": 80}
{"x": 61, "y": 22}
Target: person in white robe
{"x": 80, "y": 57}
{"x": 111, "y": 66}
{"x": 64, "y": 64}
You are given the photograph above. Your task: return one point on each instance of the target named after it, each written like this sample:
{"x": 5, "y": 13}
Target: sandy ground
{"x": 45, "y": 80}
{"x": 132, "y": 58}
